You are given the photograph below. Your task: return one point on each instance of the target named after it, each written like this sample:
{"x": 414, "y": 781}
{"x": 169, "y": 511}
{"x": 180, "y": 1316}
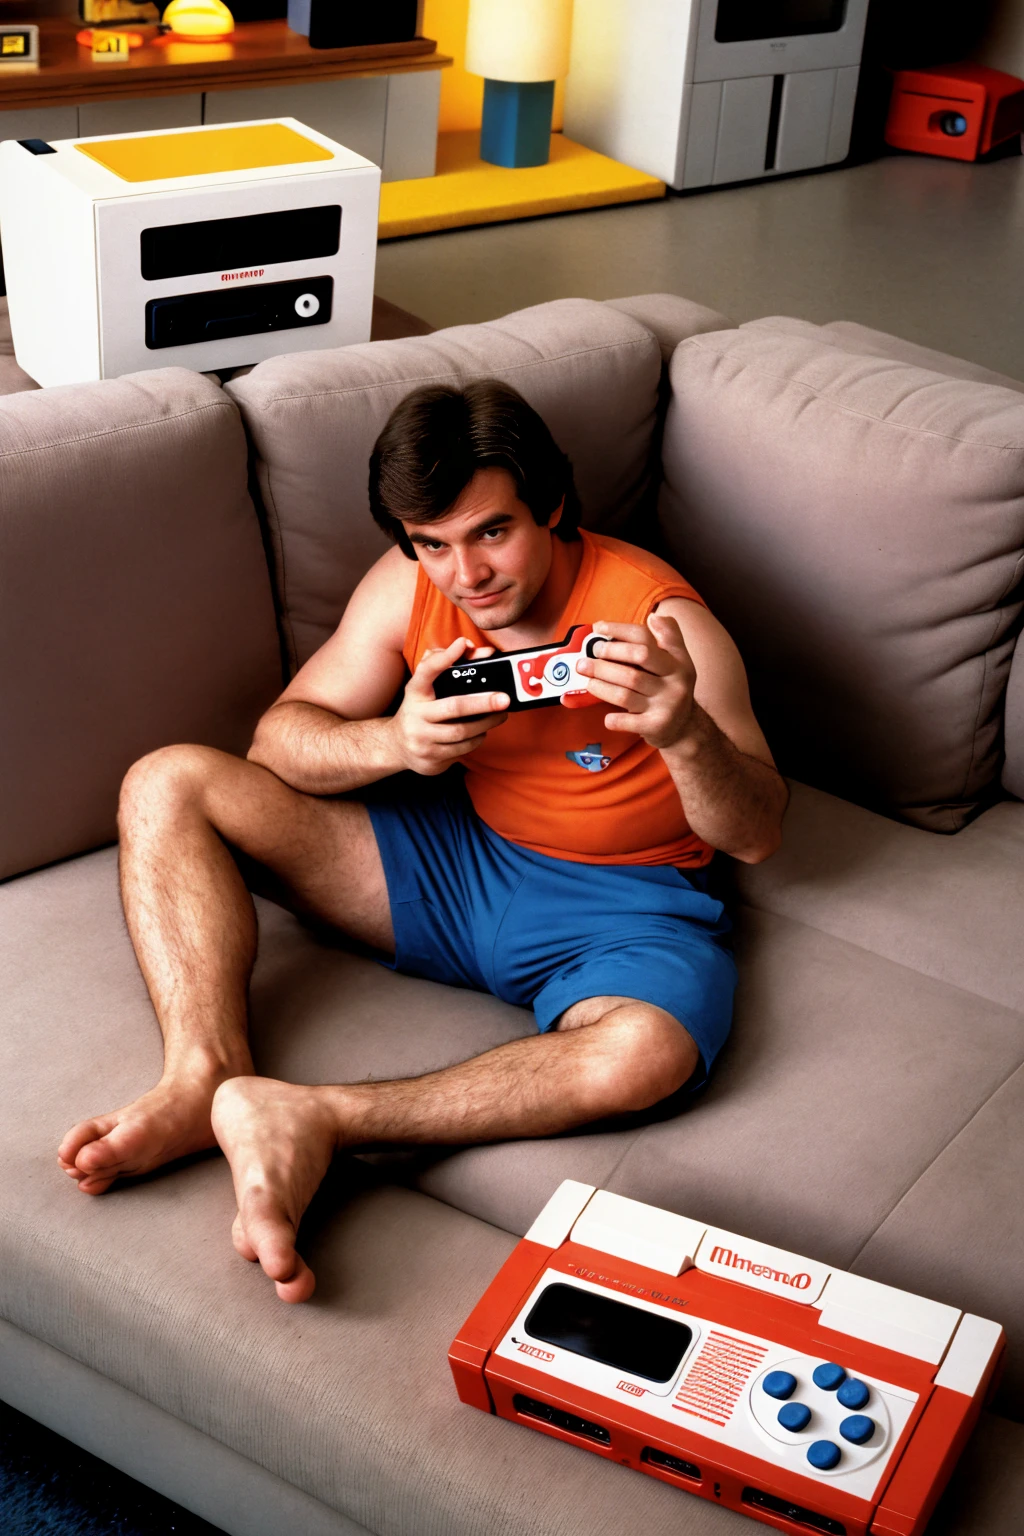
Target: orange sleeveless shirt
{"x": 555, "y": 780}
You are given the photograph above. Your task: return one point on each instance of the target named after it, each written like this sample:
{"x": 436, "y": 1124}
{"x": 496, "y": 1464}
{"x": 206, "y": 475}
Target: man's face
{"x": 487, "y": 555}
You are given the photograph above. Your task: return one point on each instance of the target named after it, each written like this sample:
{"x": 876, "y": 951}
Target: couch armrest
{"x": 671, "y": 319}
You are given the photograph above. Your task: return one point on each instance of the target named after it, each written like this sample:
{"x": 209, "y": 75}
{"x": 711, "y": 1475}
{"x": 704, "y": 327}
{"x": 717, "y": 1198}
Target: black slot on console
{"x": 795, "y": 1512}
{"x": 532, "y": 1408}
{"x": 231, "y": 245}
{"x": 245, "y": 311}
{"x": 666, "y": 1463}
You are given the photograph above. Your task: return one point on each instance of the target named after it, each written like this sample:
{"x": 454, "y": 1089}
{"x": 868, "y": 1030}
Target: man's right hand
{"x": 434, "y": 733}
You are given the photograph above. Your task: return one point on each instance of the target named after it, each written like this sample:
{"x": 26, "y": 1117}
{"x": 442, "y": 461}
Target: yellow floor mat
{"x": 466, "y": 190}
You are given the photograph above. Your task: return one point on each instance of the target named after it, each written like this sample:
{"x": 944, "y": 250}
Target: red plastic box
{"x": 959, "y": 110}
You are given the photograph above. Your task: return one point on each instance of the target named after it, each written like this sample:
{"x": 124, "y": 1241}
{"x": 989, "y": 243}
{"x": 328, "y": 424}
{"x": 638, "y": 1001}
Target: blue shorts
{"x": 471, "y": 909}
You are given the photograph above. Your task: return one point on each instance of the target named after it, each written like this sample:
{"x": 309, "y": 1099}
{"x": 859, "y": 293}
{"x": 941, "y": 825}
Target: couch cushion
{"x": 1013, "y": 766}
{"x": 313, "y": 417}
{"x": 846, "y": 1078}
{"x": 952, "y": 907}
{"x": 135, "y": 607}
{"x": 858, "y": 525}
{"x": 956, "y": 1233}
{"x": 671, "y": 318}
{"x": 866, "y": 342}
{"x": 349, "y": 1398}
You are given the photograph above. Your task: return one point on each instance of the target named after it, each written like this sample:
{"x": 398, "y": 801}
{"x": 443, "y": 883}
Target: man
{"x": 562, "y": 864}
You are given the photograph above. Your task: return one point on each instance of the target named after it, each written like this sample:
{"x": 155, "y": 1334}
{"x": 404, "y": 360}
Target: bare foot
{"x": 172, "y": 1120}
{"x": 279, "y": 1140}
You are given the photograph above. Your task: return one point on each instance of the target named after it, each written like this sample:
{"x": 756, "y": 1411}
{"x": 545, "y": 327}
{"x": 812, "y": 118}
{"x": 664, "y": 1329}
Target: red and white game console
{"x": 802, "y": 1395}
{"x": 542, "y": 674}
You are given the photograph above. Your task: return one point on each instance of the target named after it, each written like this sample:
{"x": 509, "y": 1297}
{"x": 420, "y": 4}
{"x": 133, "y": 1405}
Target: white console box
{"x": 83, "y": 305}
{"x": 680, "y": 89}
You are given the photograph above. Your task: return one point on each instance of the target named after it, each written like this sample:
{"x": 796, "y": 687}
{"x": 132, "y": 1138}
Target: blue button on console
{"x": 853, "y": 1393}
{"x": 858, "y": 1428}
{"x": 823, "y": 1454}
{"x": 794, "y": 1417}
{"x": 780, "y": 1384}
{"x": 829, "y": 1376}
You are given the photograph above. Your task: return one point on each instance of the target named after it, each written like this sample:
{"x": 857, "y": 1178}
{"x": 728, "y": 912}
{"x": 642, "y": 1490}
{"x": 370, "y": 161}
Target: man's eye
{"x": 493, "y": 533}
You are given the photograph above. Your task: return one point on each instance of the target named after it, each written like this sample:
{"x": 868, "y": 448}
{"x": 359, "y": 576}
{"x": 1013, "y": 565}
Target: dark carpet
{"x": 48, "y": 1487}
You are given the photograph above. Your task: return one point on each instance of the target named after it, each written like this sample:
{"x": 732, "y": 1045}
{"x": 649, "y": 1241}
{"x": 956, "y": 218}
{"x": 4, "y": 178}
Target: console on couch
{"x": 854, "y": 511}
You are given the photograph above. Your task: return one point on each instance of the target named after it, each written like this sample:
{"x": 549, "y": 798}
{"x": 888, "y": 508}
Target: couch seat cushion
{"x": 847, "y": 1076}
{"x": 951, "y": 907}
{"x": 857, "y": 523}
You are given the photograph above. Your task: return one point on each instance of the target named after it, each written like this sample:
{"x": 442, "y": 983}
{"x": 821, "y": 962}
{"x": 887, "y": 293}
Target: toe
{"x": 96, "y": 1185}
{"x": 102, "y": 1155}
{"x": 79, "y": 1136}
{"x": 267, "y": 1230}
{"x": 302, "y": 1284}
{"x": 241, "y": 1242}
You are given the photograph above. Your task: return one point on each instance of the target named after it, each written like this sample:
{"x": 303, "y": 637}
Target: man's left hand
{"x": 646, "y": 671}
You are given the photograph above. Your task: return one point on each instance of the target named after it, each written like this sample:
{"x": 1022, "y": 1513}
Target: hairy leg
{"x": 185, "y": 813}
{"x": 608, "y": 1056}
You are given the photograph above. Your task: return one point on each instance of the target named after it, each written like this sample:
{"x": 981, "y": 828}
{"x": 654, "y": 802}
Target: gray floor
{"x": 929, "y": 249}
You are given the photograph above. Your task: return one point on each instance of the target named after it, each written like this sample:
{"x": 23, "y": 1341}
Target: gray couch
{"x": 853, "y": 509}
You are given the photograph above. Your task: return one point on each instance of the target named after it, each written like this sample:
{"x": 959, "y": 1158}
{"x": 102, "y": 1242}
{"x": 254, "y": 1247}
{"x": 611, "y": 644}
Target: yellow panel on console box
{"x": 206, "y": 152}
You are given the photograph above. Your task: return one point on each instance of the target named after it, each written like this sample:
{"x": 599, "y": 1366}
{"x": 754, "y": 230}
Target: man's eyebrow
{"x": 497, "y": 521}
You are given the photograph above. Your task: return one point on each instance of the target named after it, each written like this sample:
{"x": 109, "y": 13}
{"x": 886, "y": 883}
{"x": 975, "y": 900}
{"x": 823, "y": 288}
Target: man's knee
{"x": 167, "y": 780}
{"x": 648, "y": 1055}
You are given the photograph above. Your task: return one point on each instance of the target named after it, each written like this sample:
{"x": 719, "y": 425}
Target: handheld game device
{"x": 539, "y": 675}
{"x": 809, "y": 1398}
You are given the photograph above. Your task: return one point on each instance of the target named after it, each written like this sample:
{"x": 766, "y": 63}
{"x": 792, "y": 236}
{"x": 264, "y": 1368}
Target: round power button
{"x": 307, "y": 305}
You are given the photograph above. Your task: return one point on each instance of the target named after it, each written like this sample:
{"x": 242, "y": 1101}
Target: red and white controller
{"x": 543, "y": 674}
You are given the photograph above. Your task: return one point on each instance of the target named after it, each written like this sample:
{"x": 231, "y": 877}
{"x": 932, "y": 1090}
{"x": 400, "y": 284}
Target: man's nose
{"x": 471, "y": 568}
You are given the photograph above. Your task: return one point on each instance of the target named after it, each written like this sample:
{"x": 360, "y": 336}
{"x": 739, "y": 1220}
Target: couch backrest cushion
{"x": 851, "y": 337}
{"x": 1013, "y": 766}
{"x": 313, "y": 417}
{"x": 671, "y": 318}
{"x": 858, "y": 524}
{"x": 135, "y": 605}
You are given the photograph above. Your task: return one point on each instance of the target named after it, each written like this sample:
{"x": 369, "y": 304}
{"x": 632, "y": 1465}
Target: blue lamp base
{"x": 516, "y": 127}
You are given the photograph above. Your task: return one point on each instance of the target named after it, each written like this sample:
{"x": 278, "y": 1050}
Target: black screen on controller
{"x": 631, "y": 1340}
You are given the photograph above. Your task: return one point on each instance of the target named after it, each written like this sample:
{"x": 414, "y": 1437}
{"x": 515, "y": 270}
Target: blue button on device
{"x": 780, "y": 1384}
{"x": 794, "y": 1417}
{"x": 858, "y": 1428}
{"x": 829, "y": 1376}
{"x": 823, "y": 1454}
{"x": 853, "y": 1393}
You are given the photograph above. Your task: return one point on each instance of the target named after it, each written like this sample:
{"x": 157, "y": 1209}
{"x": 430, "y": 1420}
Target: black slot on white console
{"x": 232, "y": 245}
{"x": 243, "y": 311}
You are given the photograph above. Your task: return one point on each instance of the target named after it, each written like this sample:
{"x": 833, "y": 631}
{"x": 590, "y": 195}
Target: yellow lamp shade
{"x": 519, "y": 40}
{"x": 199, "y": 19}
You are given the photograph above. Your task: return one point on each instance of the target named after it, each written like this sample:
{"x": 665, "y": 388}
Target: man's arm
{"x": 328, "y": 732}
{"x": 679, "y": 682}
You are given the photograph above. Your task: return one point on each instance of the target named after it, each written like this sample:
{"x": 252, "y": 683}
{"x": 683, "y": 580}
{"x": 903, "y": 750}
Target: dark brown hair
{"x": 437, "y": 438}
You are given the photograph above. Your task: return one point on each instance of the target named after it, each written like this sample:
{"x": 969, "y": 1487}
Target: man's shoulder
{"x": 383, "y": 601}
{"x": 640, "y": 560}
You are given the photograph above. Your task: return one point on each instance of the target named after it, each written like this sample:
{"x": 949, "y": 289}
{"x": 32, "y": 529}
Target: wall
{"x": 1002, "y": 46}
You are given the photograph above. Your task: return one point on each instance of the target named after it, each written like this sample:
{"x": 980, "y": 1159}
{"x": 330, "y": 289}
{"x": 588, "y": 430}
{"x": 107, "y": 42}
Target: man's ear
{"x": 556, "y": 516}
